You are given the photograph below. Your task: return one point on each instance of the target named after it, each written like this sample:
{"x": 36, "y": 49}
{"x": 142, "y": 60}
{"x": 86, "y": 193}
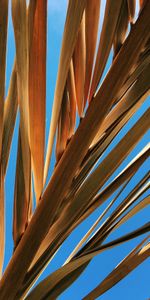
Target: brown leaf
{"x": 111, "y": 16}
{"x": 53, "y": 285}
{"x": 79, "y": 59}
{"x": 127, "y": 265}
{"x": 3, "y": 41}
{"x": 73, "y": 20}
{"x": 21, "y": 200}
{"x": 10, "y": 112}
{"x": 131, "y": 9}
{"x": 88, "y": 233}
{"x": 72, "y": 99}
{"x": 130, "y": 170}
{"x": 92, "y": 12}
{"x": 102, "y": 197}
{"x": 133, "y": 94}
{"x": 19, "y": 16}
{"x": 63, "y": 224}
{"x": 2, "y": 221}
{"x": 73, "y": 156}
{"x": 63, "y": 126}
{"x": 122, "y": 26}
{"x": 37, "y": 88}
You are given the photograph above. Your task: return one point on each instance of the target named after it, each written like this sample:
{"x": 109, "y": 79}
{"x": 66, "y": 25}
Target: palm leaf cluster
{"x": 89, "y": 111}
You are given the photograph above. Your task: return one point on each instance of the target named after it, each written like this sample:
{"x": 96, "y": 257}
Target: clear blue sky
{"x": 136, "y": 285}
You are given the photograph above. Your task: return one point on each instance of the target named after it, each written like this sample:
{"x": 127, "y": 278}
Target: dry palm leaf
{"x": 21, "y": 201}
{"x": 99, "y": 176}
{"x": 76, "y": 187}
{"x": 53, "y": 285}
{"x": 37, "y": 88}
{"x": 129, "y": 171}
{"x": 133, "y": 94}
{"x": 104, "y": 140}
{"x": 92, "y": 12}
{"x": 72, "y": 99}
{"x": 102, "y": 233}
{"x": 3, "y": 40}
{"x": 127, "y": 265}
{"x": 83, "y": 240}
{"x": 73, "y": 20}
{"x": 112, "y": 12}
{"x": 2, "y": 220}
{"x": 51, "y": 239}
{"x": 122, "y": 26}
{"x": 10, "y": 112}
{"x": 63, "y": 126}
{"x": 19, "y": 16}
{"x": 79, "y": 59}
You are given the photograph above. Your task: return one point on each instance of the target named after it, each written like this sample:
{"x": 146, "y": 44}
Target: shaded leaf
{"x": 92, "y": 13}
{"x": 63, "y": 126}
{"x": 131, "y": 9}
{"x": 10, "y": 112}
{"x": 112, "y": 12}
{"x": 122, "y": 26}
{"x": 130, "y": 170}
{"x": 3, "y": 41}
{"x": 21, "y": 200}
{"x": 83, "y": 240}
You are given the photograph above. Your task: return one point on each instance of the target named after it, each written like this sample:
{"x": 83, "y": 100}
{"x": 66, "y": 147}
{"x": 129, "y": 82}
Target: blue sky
{"x": 135, "y": 286}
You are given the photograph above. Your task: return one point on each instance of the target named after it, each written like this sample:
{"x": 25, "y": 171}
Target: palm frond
{"x": 94, "y": 133}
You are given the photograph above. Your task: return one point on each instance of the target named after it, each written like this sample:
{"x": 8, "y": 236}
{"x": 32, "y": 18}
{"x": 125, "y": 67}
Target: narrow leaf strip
{"x": 121, "y": 28}
{"x": 62, "y": 227}
{"x": 73, "y": 20}
{"x": 21, "y": 201}
{"x": 72, "y": 99}
{"x": 10, "y": 112}
{"x": 138, "y": 89}
{"x": 104, "y": 141}
{"x": 138, "y": 207}
{"x": 3, "y": 41}
{"x": 79, "y": 57}
{"x": 121, "y": 178}
{"x": 112, "y": 12}
{"x": 2, "y": 221}
{"x": 99, "y": 176}
{"x": 98, "y": 238}
{"x": 19, "y": 16}
{"x": 63, "y": 126}
{"x": 130, "y": 170}
{"x": 37, "y": 88}
{"x": 92, "y": 13}
{"x": 84, "y": 239}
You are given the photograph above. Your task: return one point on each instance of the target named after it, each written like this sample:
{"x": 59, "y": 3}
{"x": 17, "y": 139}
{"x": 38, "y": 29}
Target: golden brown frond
{"x": 97, "y": 141}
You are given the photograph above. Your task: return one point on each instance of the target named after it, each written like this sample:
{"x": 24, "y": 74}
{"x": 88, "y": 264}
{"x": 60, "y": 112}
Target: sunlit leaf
{"x": 37, "y": 88}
